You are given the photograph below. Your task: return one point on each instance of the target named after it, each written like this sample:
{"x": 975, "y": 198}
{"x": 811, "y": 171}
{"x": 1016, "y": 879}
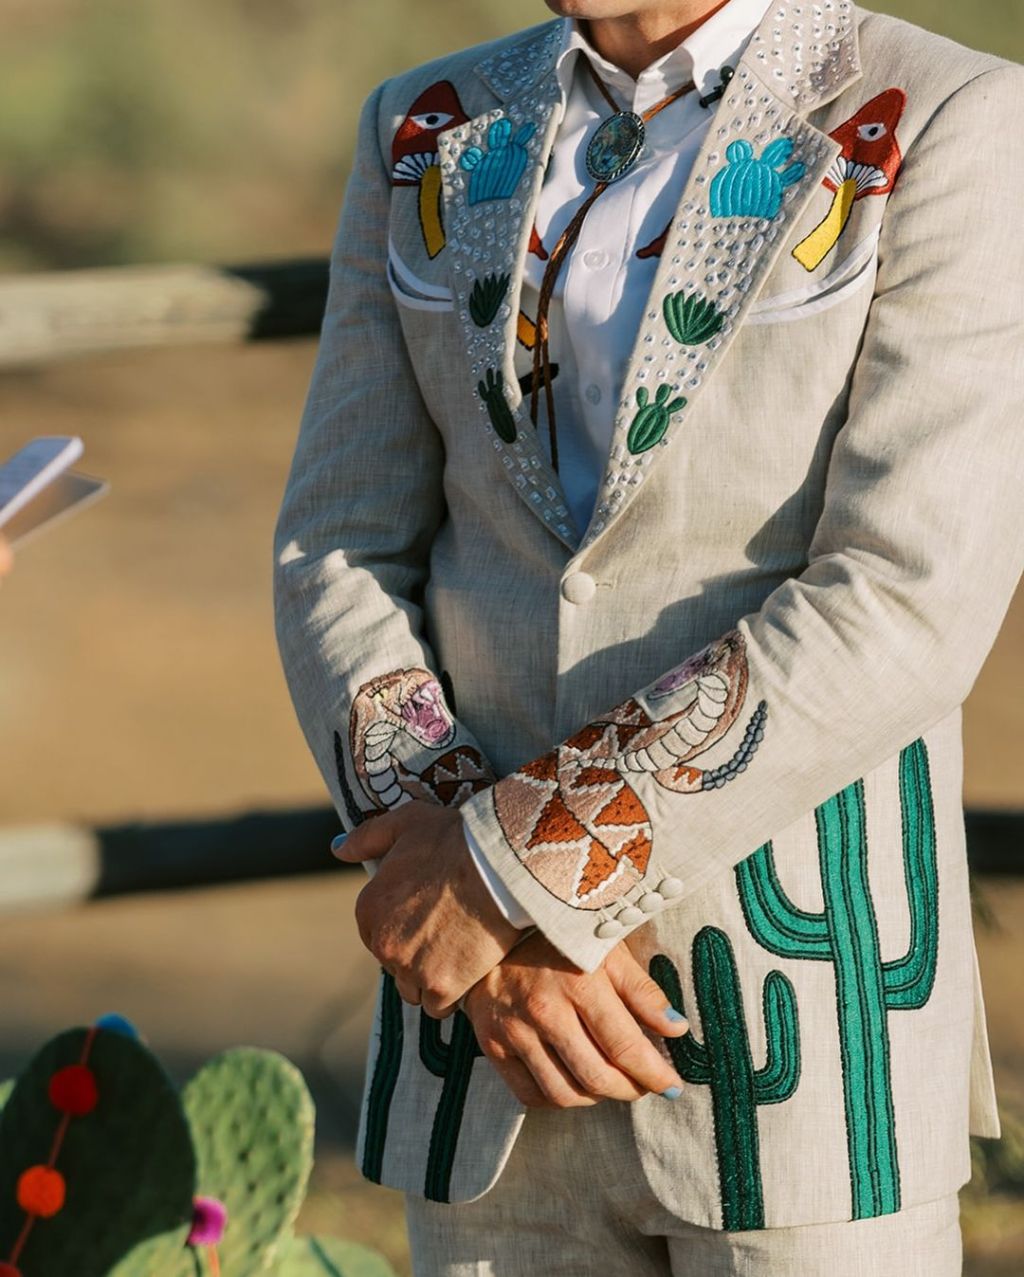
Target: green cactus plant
{"x": 651, "y": 419}
{"x": 5, "y": 1091}
{"x": 485, "y": 298}
{"x": 252, "y": 1119}
{"x": 845, "y": 933}
{"x": 692, "y": 319}
{"x": 452, "y": 1061}
{"x": 724, "y": 1063}
{"x": 492, "y": 392}
{"x": 127, "y": 1163}
{"x": 329, "y": 1257}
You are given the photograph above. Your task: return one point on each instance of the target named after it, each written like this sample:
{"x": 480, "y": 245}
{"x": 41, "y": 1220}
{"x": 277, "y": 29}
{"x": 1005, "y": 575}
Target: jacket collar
{"x": 719, "y": 247}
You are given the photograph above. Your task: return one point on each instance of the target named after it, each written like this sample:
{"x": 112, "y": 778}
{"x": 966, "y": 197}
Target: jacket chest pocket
{"x": 852, "y": 274}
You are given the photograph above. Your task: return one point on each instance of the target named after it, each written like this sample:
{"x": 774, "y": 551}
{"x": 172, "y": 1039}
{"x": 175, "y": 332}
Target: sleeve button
{"x": 650, "y": 903}
{"x": 608, "y": 929}
{"x": 630, "y": 916}
{"x": 670, "y": 888}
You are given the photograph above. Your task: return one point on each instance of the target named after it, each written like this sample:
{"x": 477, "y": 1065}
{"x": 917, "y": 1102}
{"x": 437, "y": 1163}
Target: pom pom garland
{"x": 209, "y": 1219}
{"x": 41, "y": 1191}
{"x": 73, "y": 1090}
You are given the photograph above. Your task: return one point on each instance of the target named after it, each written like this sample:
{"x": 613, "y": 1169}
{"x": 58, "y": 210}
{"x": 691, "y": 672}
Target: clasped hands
{"x": 558, "y": 1036}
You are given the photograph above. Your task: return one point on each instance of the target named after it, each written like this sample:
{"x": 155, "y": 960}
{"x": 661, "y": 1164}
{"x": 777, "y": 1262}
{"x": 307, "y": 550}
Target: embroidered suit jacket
{"x": 806, "y": 538}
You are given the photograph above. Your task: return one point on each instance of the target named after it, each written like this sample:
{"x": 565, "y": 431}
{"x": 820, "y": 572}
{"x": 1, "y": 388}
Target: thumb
{"x": 369, "y": 841}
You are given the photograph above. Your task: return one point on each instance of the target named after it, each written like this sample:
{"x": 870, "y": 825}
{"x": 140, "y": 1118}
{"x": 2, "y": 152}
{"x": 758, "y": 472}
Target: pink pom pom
{"x": 209, "y": 1219}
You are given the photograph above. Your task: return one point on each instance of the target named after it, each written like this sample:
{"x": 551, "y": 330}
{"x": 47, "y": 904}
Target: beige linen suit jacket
{"x": 805, "y": 540}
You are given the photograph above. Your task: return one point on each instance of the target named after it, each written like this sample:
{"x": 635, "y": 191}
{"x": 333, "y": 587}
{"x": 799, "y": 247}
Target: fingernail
{"x": 674, "y": 1016}
{"x": 673, "y": 1093}
{"x": 338, "y": 842}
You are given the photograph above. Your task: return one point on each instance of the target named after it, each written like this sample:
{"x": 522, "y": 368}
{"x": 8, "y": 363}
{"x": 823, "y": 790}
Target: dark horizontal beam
{"x": 60, "y": 315}
{"x": 42, "y": 866}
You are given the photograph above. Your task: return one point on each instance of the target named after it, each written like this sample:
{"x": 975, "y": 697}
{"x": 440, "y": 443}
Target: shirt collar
{"x": 715, "y": 43}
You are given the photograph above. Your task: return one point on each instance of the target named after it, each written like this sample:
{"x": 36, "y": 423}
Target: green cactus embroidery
{"x": 492, "y": 392}
{"x": 384, "y": 1080}
{"x": 487, "y": 295}
{"x": 651, "y": 420}
{"x": 724, "y": 1063}
{"x": 452, "y": 1061}
{"x": 692, "y": 319}
{"x": 845, "y": 933}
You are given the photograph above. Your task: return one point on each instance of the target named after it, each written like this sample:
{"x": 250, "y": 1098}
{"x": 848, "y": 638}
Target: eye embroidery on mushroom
{"x": 414, "y": 155}
{"x": 574, "y": 816}
{"x": 394, "y": 719}
{"x": 867, "y": 165}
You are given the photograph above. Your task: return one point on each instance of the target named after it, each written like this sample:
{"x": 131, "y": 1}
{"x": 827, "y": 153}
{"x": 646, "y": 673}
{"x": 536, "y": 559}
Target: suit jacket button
{"x": 670, "y": 888}
{"x": 580, "y": 587}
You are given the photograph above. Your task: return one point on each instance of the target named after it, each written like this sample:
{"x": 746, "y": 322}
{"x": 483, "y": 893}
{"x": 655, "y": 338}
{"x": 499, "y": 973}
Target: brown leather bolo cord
{"x": 566, "y": 242}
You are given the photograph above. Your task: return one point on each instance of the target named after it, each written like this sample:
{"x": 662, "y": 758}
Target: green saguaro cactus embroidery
{"x": 651, "y": 420}
{"x": 452, "y": 1061}
{"x": 845, "y": 933}
{"x": 492, "y": 392}
{"x": 724, "y": 1063}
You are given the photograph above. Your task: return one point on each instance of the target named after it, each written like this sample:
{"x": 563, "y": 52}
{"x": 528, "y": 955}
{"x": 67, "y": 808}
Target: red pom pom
{"x": 8, "y": 1270}
{"x": 73, "y": 1090}
{"x": 41, "y": 1191}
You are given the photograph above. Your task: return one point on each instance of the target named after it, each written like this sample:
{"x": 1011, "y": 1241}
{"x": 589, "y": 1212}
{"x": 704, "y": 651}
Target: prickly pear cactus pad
{"x": 5, "y": 1090}
{"x": 329, "y": 1257}
{"x": 95, "y": 1158}
{"x": 252, "y": 1125}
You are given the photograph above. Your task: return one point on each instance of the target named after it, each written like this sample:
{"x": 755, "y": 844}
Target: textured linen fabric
{"x": 835, "y": 511}
{"x": 573, "y": 1201}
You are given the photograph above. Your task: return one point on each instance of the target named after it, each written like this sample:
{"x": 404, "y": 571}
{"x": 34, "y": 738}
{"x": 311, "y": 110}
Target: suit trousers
{"x": 573, "y": 1201}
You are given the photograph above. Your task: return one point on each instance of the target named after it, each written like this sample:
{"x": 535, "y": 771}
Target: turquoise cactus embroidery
{"x": 845, "y": 933}
{"x": 452, "y": 1061}
{"x": 651, "y": 420}
{"x": 724, "y": 1062}
{"x": 492, "y": 392}
{"x": 494, "y": 174}
{"x": 486, "y": 297}
{"x": 753, "y": 188}
{"x": 692, "y": 319}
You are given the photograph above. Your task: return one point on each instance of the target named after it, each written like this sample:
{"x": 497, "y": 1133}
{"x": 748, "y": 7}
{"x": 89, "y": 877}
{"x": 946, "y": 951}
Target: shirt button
{"x": 579, "y": 588}
{"x": 593, "y": 393}
{"x": 595, "y": 259}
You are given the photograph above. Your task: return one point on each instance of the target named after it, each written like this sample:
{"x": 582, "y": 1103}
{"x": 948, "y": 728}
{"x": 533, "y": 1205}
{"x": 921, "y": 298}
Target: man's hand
{"x": 563, "y": 1039}
{"x": 426, "y": 915}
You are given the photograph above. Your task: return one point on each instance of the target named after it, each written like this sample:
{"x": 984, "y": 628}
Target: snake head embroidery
{"x": 651, "y": 420}
{"x": 749, "y": 187}
{"x": 494, "y": 174}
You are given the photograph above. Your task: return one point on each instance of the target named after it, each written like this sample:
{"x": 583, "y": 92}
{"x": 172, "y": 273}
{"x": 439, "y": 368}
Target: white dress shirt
{"x": 603, "y": 287}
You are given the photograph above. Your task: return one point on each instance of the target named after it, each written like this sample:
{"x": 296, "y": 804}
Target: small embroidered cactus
{"x": 692, "y": 319}
{"x": 492, "y": 392}
{"x": 487, "y": 295}
{"x": 753, "y": 188}
{"x": 651, "y": 421}
{"x": 494, "y": 174}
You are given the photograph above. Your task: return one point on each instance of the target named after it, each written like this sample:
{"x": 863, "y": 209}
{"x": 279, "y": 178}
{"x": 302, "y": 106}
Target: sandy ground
{"x": 139, "y": 679}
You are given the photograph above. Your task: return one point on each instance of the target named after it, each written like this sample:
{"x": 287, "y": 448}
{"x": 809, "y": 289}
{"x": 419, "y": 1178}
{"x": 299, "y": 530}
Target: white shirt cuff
{"x": 510, "y": 907}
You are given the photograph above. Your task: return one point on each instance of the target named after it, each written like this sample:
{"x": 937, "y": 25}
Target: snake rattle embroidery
{"x": 867, "y": 165}
{"x": 574, "y": 817}
{"x": 414, "y": 155}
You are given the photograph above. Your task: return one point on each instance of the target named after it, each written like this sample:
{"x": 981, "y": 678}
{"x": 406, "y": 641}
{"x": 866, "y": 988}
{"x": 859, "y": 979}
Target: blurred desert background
{"x": 139, "y": 679}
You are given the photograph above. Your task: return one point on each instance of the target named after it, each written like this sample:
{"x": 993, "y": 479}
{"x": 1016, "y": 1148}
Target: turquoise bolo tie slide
{"x": 615, "y": 147}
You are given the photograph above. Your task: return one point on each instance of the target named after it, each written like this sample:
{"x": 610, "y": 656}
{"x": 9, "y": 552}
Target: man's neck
{"x": 635, "y": 41}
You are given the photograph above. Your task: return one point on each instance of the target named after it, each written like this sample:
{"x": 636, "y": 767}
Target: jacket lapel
{"x": 492, "y": 169}
{"x": 759, "y": 165}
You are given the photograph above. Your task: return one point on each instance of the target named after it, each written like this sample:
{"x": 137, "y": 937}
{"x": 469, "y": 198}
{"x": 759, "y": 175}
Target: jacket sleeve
{"x": 910, "y": 571}
{"x": 363, "y": 502}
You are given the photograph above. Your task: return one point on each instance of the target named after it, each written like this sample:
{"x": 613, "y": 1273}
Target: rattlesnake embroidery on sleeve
{"x": 574, "y": 817}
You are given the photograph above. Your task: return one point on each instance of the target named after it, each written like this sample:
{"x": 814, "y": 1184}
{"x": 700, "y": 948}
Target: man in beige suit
{"x": 669, "y": 347}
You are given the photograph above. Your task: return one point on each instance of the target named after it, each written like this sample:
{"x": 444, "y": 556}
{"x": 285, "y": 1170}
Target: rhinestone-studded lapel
{"x": 759, "y": 165}
{"x": 492, "y": 169}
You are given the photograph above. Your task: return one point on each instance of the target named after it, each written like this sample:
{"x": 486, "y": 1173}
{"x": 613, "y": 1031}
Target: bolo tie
{"x": 611, "y": 154}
